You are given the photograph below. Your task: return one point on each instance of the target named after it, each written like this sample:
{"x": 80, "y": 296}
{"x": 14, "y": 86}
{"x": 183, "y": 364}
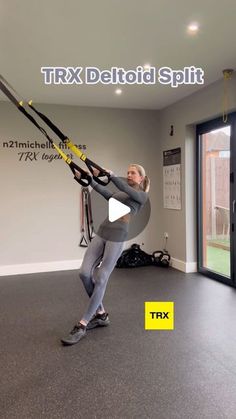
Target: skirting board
{"x": 30, "y": 268}
{"x": 180, "y": 265}
{"x": 66, "y": 265}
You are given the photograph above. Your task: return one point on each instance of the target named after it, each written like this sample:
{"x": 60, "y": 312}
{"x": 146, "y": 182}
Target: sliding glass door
{"x": 216, "y": 199}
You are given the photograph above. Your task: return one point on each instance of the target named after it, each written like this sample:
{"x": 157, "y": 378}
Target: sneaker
{"x": 98, "y": 320}
{"x": 76, "y": 334}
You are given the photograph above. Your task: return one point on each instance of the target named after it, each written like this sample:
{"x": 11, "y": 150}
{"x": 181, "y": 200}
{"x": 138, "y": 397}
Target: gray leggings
{"x": 95, "y": 279}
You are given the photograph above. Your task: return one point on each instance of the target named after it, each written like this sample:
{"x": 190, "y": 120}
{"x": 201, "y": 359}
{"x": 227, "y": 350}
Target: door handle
{"x": 233, "y": 206}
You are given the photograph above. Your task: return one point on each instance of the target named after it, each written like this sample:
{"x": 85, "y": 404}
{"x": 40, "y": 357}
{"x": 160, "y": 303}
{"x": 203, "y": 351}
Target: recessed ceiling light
{"x": 118, "y": 91}
{"x": 193, "y": 27}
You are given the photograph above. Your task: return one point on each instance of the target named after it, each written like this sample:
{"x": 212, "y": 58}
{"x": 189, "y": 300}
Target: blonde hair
{"x": 145, "y": 184}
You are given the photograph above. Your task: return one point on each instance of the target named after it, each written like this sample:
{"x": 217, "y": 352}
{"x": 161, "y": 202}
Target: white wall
{"x": 39, "y": 224}
{"x": 40, "y": 200}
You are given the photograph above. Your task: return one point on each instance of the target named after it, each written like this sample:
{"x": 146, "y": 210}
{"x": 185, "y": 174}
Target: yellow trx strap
{"x": 84, "y": 179}
{"x": 103, "y": 177}
{"x": 227, "y": 76}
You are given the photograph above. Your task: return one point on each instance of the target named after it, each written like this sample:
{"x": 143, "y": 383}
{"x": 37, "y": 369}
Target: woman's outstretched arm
{"x": 101, "y": 190}
{"x": 138, "y": 196}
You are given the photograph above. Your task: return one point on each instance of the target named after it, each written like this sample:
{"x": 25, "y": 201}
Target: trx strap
{"x": 89, "y": 163}
{"x": 83, "y": 240}
{"x": 86, "y": 221}
{"x": 89, "y": 217}
{"x": 84, "y": 179}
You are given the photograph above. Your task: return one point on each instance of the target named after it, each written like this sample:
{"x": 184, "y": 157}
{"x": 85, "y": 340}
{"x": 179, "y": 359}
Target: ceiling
{"x": 107, "y": 33}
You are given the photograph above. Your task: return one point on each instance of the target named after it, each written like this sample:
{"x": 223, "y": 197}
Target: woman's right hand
{"x": 109, "y": 171}
{"x": 96, "y": 171}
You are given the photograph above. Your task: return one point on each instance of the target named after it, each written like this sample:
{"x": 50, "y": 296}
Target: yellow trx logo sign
{"x": 159, "y": 315}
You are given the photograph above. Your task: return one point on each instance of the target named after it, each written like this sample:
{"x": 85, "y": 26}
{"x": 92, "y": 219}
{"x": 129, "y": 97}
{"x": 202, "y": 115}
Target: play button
{"x": 110, "y": 210}
{"x": 116, "y": 210}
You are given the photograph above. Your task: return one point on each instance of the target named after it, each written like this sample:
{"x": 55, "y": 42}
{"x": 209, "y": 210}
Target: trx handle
{"x": 102, "y": 173}
{"x": 85, "y": 178}
{"x": 89, "y": 163}
{"x": 83, "y": 242}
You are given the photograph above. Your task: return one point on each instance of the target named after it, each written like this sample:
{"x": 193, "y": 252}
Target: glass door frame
{"x": 200, "y": 130}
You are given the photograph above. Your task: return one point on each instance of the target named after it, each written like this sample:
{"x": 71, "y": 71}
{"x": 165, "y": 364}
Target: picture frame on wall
{"x": 172, "y": 179}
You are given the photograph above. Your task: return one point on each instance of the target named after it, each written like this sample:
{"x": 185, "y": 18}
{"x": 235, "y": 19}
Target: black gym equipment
{"x": 86, "y": 219}
{"x": 135, "y": 257}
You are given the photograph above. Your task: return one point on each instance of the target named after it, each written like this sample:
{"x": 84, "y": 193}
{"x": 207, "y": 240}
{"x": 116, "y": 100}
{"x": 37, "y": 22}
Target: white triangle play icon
{"x": 116, "y": 209}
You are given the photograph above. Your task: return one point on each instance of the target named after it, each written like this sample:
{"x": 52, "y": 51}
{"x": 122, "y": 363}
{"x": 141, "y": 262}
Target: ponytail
{"x": 145, "y": 184}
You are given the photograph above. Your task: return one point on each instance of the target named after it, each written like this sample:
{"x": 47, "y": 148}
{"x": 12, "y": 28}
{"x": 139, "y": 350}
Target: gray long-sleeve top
{"x": 133, "y": 198}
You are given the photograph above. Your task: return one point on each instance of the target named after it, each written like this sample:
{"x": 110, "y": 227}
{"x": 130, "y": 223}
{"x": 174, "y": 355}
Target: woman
{"x": 107, "y": 247}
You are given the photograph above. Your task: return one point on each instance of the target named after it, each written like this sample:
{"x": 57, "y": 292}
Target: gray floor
{"x": 121, "y": 371}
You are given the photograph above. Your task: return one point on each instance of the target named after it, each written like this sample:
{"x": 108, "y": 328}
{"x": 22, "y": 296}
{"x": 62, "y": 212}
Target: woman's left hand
{"x": 78, "y": 174}
{"x": 109, "y": 171}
